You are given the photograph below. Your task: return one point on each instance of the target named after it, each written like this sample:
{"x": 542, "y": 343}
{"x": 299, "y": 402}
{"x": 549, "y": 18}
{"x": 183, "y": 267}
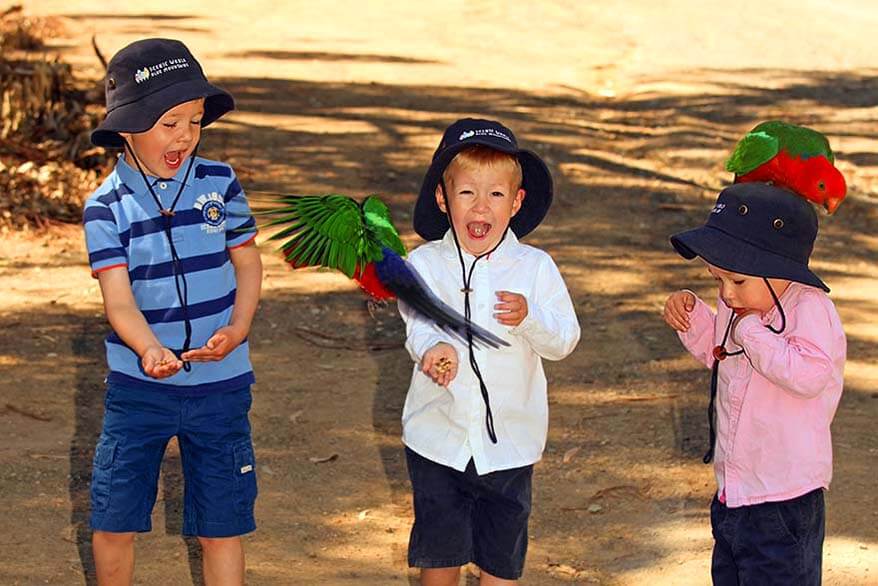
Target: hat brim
{"x": 141, "y": 115}
{"x": 729, "y": 253}
{"x": 431, "y": 223}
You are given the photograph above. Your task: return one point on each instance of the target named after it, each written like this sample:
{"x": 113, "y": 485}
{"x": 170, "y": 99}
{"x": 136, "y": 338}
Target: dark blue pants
{"x": 461, "y": 517}
{"x": 769, "y": 544}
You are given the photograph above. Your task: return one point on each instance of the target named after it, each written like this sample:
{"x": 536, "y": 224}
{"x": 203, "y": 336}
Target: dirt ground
{"x": 633, "y": 104}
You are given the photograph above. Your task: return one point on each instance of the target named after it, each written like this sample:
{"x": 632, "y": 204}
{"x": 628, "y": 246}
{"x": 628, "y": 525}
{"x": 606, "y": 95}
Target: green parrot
{"x": 360, "y": 240}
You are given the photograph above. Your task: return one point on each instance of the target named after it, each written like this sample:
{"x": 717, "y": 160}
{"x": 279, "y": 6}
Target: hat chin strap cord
{"x": 719, "y": 354}
{"x": 467, "y": 312}
{"x": 783, "y": 316}
{"x": 180, "y": 283}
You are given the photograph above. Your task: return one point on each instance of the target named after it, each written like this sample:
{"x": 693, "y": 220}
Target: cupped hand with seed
{"x": 440, "y": 363}
{"x": 160, "y": 362}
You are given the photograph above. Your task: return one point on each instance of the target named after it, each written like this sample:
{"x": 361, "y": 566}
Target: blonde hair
{"x": 479, "y": 157}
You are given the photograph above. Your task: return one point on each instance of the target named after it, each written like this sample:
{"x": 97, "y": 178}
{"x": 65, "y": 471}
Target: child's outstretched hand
{"x": 440, "y": 363}
{"x": 677, "y": 309}
{"x": 512, "y": 308}
{"x": 223, "y": 341}
{"x": 159, "y": 362}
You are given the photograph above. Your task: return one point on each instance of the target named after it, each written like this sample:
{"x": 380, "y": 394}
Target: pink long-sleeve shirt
{"x": 775, "y": 402}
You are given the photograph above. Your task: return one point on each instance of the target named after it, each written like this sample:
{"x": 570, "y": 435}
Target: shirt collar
{"x": 131, "y": 177}
{"x": 788, "y": 297}
{"x": 509, "y": 249}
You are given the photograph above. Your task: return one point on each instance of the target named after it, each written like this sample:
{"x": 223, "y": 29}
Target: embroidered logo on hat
{"x": 492, "y": 132}
{"x": 146, "y": 73}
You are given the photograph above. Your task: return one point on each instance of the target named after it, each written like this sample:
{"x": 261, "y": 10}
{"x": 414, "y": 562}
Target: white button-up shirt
{"x": 447, "y": 425}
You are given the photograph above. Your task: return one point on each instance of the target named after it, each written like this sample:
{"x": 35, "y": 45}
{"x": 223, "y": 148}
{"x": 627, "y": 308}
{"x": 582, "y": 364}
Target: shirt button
{"x": 163, "y": 185}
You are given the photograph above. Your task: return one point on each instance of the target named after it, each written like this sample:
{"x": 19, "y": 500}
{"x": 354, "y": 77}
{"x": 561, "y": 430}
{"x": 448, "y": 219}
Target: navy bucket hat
{"x": 759, "y": 230}
{"x": 146, "y": 79}
{"x": 431, "y": 223}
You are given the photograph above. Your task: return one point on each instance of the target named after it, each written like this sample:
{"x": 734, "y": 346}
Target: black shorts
{"x": 461, "y": 517}
{"x": 778, "y": 543}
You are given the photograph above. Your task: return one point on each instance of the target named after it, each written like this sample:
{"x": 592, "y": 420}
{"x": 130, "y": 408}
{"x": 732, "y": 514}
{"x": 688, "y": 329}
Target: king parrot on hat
{"x": 790, "y": 156}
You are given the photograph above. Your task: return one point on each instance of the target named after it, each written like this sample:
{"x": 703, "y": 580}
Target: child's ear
{"x": 519, "y": 199}
{"x": 440, "y": 199}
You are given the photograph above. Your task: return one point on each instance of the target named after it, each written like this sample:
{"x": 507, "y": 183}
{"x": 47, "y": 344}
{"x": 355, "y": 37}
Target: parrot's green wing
{"x": 755, "y": 149}
{"x": 327, "y": 231}
{"x": 378, "y": 222}
{"x": 798, "y": 141}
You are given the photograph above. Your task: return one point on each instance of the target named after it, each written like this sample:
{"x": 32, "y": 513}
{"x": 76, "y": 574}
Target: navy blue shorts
{"x": 216, "y": 452}
{"x": 461, "y": 517}
{"x": 773, "y": 543}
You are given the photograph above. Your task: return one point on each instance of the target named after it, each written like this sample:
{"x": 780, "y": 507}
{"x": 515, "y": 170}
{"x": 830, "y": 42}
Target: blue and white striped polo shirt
{"x": 123, "y": 227}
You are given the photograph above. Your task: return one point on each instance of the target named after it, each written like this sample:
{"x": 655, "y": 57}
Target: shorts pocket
{"x": 245, "y": 477}
{"x": 798, "y": 517}
{"x": 102, "y": 474}
{"x": 108, "y": 396}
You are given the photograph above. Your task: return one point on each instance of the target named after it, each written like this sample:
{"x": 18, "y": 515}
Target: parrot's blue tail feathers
{"x": 400, "y": 277}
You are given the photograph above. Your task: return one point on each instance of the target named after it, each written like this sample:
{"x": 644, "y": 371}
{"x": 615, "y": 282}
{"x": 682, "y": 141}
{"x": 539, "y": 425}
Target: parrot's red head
{"x": 822, "y": 183}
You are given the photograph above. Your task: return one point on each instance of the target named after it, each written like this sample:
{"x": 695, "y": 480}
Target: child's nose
{"x": 481, "y": 204}
{"x": 186, "y": 135}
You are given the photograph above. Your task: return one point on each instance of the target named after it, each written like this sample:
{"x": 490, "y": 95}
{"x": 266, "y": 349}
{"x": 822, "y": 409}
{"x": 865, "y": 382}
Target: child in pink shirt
{"x": 777, "y": 351}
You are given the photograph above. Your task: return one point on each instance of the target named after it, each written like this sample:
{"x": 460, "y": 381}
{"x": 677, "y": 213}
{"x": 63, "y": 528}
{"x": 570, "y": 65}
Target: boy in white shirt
{"x": 473, "y": 432}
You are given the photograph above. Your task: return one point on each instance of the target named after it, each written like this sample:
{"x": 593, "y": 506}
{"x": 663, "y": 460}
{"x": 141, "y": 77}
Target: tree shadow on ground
{"x": 628, "y": 173}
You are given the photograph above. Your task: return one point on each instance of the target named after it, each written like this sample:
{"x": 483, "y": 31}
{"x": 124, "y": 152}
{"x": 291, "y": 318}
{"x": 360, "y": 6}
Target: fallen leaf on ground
{"x": 568, "y": 455}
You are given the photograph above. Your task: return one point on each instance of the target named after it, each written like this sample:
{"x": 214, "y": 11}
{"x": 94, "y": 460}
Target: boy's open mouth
{"x": 173, "y": 159}
{"x": 478, "y": 230}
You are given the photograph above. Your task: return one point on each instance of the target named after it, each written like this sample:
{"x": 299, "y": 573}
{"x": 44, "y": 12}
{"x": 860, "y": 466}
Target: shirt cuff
{"x": 106, "y": 267}
{"x": 239, "y": 243}
{"x": 426, "y": 344}
{"x": 529, "y": 324}
{"x": 701, "y": 322}
{"x": 745, "y": 328}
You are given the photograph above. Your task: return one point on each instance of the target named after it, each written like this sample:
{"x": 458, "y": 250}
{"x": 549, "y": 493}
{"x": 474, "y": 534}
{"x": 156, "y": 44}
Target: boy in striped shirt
{"x": 180, "y": 277}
